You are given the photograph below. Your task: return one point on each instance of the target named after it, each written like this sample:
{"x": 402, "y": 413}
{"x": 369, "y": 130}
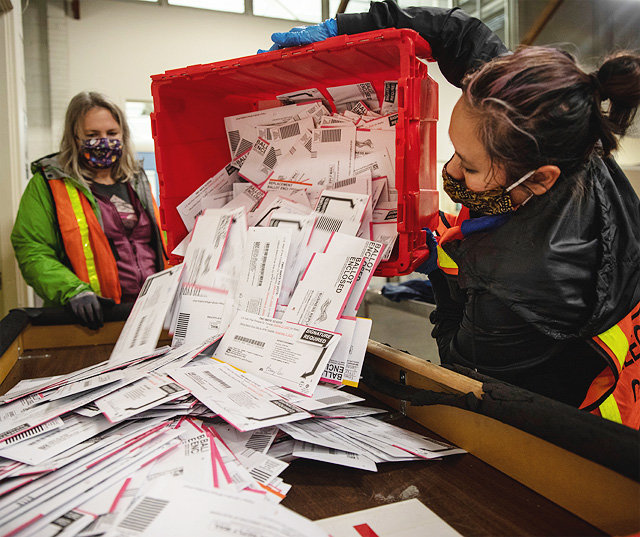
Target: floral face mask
{"x": 487, "y": 202}
{"x": 101, "y": 152}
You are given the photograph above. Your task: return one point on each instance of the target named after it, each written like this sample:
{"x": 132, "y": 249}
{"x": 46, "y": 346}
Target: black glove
{"x": 87, "y": 309}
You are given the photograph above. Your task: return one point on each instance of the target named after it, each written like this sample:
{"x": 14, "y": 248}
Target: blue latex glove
{"x": 303, "y": 35}
{"x": 431, "y": 263}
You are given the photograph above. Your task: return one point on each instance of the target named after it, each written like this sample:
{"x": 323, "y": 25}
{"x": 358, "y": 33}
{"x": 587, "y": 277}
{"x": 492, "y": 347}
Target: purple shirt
{"x": 128, "y": 229}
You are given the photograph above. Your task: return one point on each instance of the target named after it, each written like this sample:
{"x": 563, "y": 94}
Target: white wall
{"x": 116, "y": 46}
{"x": 12, "y": 153}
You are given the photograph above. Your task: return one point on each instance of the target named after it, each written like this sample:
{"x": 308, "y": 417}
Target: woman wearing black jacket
{"x": 548, "y": 261}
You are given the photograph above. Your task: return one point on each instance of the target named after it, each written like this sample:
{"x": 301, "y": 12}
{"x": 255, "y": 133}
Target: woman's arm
{"x": 475, "y": 329}
{"x": 459, "y": 43}
{"x": 39, "y": 249}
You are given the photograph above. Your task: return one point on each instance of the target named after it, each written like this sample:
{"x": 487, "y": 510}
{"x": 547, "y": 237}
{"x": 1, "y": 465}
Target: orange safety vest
{"x": 84, "y": 240}
{"x": 615, "y": 393}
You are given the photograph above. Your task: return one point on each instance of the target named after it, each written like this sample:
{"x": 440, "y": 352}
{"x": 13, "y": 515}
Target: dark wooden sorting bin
{"x": 510, "y": 483}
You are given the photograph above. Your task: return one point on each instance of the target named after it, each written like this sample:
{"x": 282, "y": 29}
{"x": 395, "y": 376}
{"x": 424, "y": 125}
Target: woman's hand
{"x": 431, "y": 263}
{"x": 87, "y": 309}
{"x": 303, "y": 35}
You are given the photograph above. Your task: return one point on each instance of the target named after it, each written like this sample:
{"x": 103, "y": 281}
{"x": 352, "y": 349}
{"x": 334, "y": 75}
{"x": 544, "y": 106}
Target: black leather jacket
{"x": 532, "y": 293}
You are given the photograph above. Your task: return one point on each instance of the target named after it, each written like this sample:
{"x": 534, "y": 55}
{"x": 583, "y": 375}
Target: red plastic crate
{"x": 191, "y": 103}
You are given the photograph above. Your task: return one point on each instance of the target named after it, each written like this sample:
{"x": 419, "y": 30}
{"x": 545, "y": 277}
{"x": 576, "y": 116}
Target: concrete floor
{"x": 403, "y": 325}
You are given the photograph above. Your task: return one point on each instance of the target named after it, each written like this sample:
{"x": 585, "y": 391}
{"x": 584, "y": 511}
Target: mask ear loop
{"x": 519, "y": 181}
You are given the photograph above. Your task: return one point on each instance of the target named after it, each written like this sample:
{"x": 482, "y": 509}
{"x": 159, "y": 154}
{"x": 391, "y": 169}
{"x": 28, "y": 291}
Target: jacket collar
{"x": 49, "y": 167}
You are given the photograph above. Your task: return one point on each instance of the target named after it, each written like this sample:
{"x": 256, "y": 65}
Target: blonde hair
{"x": 69, "y": 157}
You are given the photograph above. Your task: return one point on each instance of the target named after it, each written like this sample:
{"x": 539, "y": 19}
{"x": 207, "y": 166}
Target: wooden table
{"x": 473, "y": 497}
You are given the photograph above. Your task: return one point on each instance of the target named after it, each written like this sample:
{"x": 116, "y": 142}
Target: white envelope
{"x": 248, "y": 199}
{"x": 409, "y": 518}
{"x": 341, "y": 211}
{"x": 286, "y": 354}
{"x": 371, "y": 252}
{"x": 292, "y": 167}
{"x": 204, "y": 313}
{"x": 271, "y": 203}
{"x": 349, "y": 93}
{"x": 283, "y": 137}
{"x": 357, "y": 351}
{"x": 301, "y": 227}
{"x": 384, "y": 122}
{"x": 242, "y": 399}
{"x": 142, "y": 395}
{"x": 328, "y": 121}
{"x": 262, "y": 270}
{"x": 219, "y": 513}
{"x": 301, "y": 96}
{"x": 259, "y": 163}
{"x": 306, "y": 450}
{"x": 380, "y": 141}
{"x": 76, "y": 429}
{"x": 335, "y": 149}
{"x": 387, "y": 234}
{"x": 142, "y": 329}
{"x": 324, "y": 290}
{"x": 208, "y": 195}
{"x": 385, "y": 212}
{"x": 334, "y": 371}
{"x": 206, "y": 247}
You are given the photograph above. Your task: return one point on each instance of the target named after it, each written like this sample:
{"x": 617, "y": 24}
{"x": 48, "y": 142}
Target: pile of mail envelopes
{"x": 301, "y": 159}
{"x": 191, "y": 439}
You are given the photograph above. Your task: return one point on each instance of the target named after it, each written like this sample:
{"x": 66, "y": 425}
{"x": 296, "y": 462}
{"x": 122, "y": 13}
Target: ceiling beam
{"x": 542, "y": 20}
{"x": 343, "y": 6}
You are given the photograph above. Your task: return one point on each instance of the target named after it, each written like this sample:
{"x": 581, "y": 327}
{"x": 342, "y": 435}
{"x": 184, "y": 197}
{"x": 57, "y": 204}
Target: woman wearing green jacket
{"x": 87, "y": 225}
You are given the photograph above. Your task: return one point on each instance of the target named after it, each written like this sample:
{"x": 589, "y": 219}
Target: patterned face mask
{"x": 488, "y": 202}
{"x": 101, "y": 152}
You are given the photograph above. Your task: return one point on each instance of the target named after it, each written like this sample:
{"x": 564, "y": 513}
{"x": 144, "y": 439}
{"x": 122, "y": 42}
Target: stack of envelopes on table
{"x": 265, "y": 333}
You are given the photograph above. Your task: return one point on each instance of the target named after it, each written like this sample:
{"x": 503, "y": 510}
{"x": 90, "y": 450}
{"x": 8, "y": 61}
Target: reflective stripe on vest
{"x": 445, "y": 262}
{"x": 615, "y": 393}
{"x": 617, "y": 343}
{"x": 609, "y": 409}
{"x": 76, "y": 205}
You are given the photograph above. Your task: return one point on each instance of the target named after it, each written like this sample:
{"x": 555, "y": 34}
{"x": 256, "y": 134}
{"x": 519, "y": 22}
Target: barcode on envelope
{"x": 181, "y": 326}
{"x": 139, "y": 331}
{"x": 259, "y": 441}
{"x": 287, "y": 131}
{"x": 26, "y": 434}
{"x": 326, "y": 223}
{"x": 249, "y": 341}
{"x": 143, "y": 514}
{"x": 260, "y": 475}
{"x": 345, "y": 182}
{"x": 330, "y": 135}
{"x": 234, "y": 139}
{"x": 145, "y": 287}
{"x": 263, "y": 265}
{"x": 244, "y": 146}
{"x": 332, "y": 400}
{"x": 216, "y": 379}
{"x": 13, "y": 431}
{"x": 271, "y": 158}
